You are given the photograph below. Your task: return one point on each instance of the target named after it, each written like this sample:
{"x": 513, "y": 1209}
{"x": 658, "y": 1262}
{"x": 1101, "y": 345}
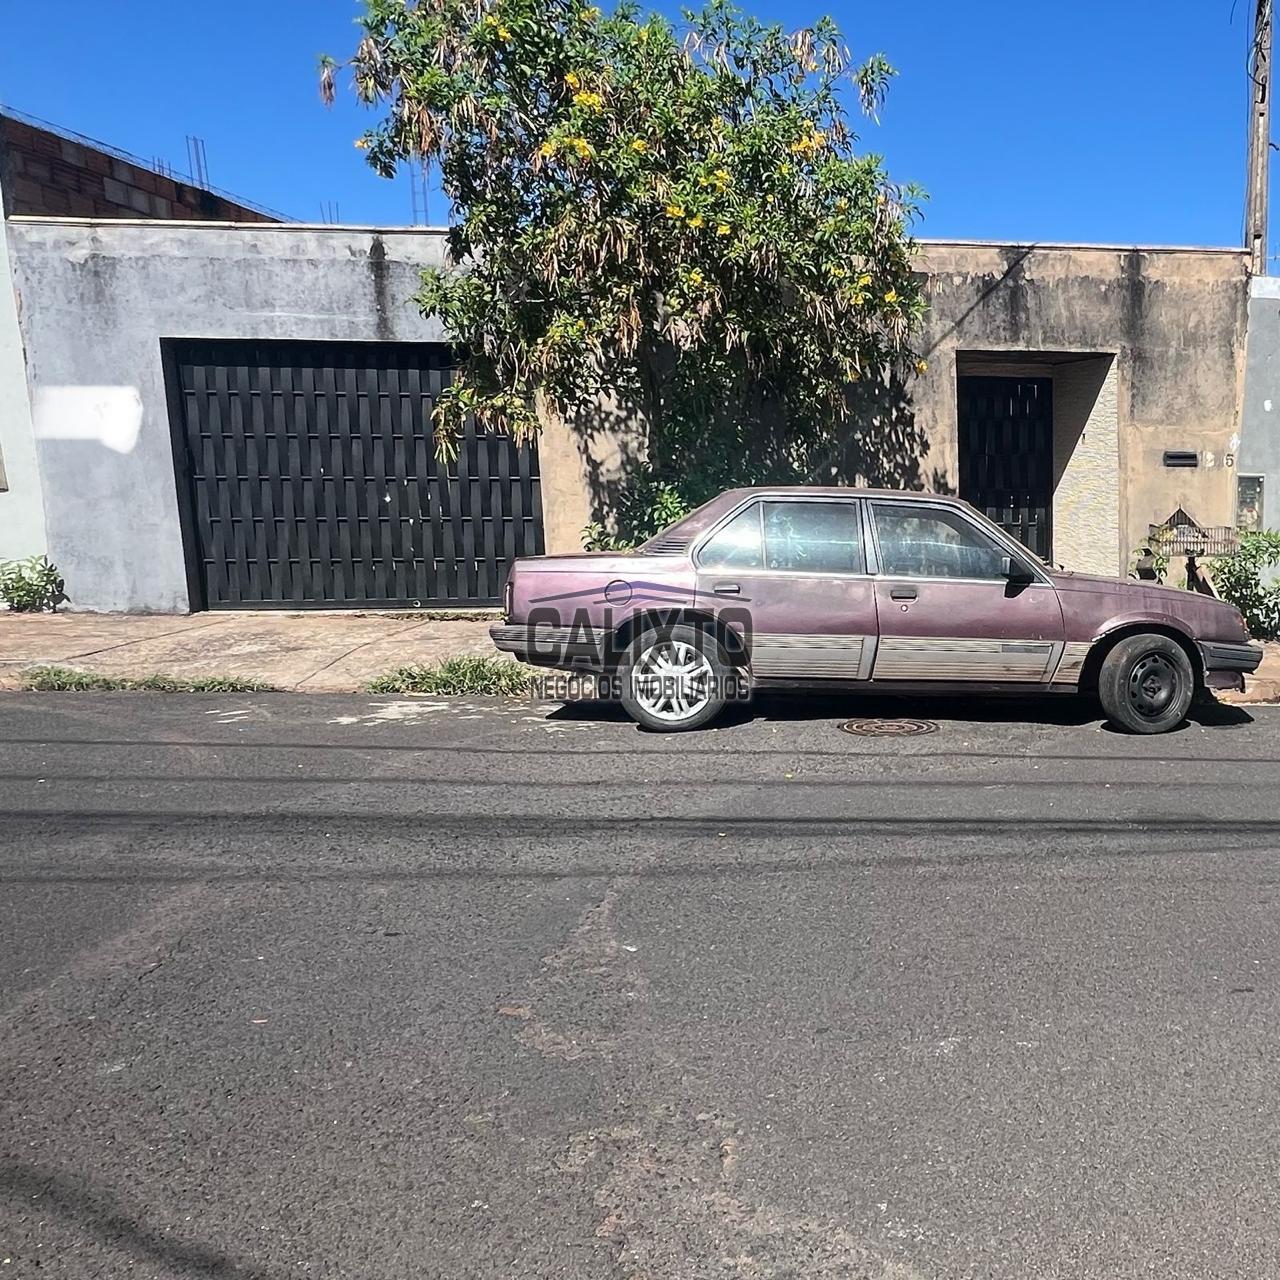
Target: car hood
{"x": 1070, "y": 580}
{"x": 1205, "y": 617}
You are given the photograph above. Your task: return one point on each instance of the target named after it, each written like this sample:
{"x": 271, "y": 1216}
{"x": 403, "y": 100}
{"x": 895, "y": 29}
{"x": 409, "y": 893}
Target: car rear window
{"x": 814, "y": 537}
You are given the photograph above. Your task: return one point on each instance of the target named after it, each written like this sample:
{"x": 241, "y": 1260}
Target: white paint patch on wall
{"x": 109, "y": 416}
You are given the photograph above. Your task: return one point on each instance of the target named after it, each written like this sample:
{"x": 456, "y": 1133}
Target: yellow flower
{"x": 362, "y": 144}
{"x": 675, "y": 211}
{"x": 590, "y": 14}
{"x": 810, "y": 144}
{"x": 864, "y": 279}
{"x": 547, "y": 150}
{"x": 838, "y": 273}
{"x": 572, "y": 80}
{"x": 586, "y": 99}
{"x": 922, "y": 366}
{"x": 504, "y": 33}
{"x": 723, "y": 229}
{"x": 696, "y": 221}
{"x": 581, "y": 146}
{"x": 722, "y": 177}
{"x": 639, "y": 145}
{"x": 644, "y": 34}
{"x": 859, "y": 298}
{"x": 891, "y": 296}
{"x": 695, "y": 276}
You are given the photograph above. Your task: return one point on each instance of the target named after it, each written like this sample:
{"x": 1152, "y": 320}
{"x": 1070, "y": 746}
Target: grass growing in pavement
{"x": 68, "y": 680}
{"x": 466, "y": 674}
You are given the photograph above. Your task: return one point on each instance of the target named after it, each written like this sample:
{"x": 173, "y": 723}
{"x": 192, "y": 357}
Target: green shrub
{"x": 1239, "y": 580}
{"x": 31, "y": 585}
{"x": 467, "y": 674}
{"x": 68, "y": 680}
{"x": 644, "y": 508}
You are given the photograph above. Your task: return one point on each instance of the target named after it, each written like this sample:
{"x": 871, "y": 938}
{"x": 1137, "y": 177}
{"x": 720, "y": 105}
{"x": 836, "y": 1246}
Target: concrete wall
{"x": 1146, "y": 347}
{"x": 22, "y": 530}
{"x": 1260, "y": 432}
{"x": 1172, "y": 320}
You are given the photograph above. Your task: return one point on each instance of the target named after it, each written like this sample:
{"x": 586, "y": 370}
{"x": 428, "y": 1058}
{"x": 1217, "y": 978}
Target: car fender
{"x": 1142, "y": 618}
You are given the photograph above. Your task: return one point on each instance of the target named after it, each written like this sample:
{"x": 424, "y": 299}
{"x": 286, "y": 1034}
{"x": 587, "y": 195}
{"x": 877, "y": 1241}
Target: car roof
{"x": 838, "y": 491}
{"x": 703, "y": 517}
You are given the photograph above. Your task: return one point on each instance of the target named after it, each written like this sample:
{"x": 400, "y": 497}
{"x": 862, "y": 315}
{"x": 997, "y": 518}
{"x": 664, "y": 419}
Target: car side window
{"x": 814, "y": 537}
{"x": 737, "y": 545}
{"x": 932, "y": 542}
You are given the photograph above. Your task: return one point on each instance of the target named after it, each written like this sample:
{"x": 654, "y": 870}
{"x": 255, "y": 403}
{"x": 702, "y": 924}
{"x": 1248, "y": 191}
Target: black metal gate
{"x": 1006, "y": 454}
{"x": 308, "y": 478}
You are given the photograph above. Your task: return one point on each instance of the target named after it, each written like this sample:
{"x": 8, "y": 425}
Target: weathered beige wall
{"x": 1167, "y": 325}
{"x": 1174, "y": 320}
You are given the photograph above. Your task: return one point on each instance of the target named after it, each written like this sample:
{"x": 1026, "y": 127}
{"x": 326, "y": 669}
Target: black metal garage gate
{"x": 1006, "y": 454}
{"x": 308, "y": 478}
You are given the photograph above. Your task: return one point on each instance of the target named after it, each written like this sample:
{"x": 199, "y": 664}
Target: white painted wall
{"x": 100, "y": 299}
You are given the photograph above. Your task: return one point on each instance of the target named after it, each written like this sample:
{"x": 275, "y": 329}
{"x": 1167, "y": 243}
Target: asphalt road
{"x": 339, "y": 986}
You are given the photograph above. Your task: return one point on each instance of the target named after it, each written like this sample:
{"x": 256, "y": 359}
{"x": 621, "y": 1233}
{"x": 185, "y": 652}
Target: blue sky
{"x": 1028, "y": 120}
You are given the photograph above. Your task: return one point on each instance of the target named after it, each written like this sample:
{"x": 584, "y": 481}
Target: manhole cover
{"x": 877, "y": 728}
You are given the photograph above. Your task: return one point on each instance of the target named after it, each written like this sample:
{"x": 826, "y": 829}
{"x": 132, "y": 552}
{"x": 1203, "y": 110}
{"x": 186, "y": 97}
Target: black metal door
{"x": 309, "y": 478}
{"x": 1006, "y": 454}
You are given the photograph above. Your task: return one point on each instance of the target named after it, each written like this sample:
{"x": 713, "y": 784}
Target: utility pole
{"x": 1256, "y": 198}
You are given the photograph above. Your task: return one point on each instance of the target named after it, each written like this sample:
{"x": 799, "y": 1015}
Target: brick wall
{"x": 44, "y": 173}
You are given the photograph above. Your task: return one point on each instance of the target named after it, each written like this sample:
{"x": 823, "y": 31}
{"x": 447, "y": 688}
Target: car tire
{"x": 655, "y": 691}
{"x": 1146, "y": 684}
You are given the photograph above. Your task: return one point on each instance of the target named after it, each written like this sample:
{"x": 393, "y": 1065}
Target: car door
{"x": 790, "y": 574}
{"x": 949, "y": 608}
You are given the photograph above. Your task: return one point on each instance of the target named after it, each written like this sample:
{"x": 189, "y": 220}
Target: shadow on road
{"x": 1066, "y": 710}
{"x": 96, "y": 1209}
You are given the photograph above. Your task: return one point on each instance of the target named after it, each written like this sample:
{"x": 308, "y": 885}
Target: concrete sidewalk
{"x": 310, "y": 652}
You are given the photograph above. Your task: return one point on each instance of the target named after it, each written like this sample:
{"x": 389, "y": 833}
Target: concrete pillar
{"x": 22, "y": 527}
{"x": 1086, "y": 467}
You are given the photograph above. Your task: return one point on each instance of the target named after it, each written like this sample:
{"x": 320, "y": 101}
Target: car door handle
{"x": 727, "y": 589}
{"x": 902, "y": 593}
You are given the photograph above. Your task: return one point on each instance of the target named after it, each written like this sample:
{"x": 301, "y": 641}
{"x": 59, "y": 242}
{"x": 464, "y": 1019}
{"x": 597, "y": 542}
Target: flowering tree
{"x": 678, "y": 219}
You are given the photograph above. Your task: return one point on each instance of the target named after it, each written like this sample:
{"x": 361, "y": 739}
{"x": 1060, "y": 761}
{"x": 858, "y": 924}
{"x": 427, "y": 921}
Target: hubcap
{"x": 671, "y": 680}
{"x": 1153, "y": 685}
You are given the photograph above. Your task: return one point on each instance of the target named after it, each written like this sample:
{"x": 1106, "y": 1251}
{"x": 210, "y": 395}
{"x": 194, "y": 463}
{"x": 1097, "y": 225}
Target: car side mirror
{"x": 1014, "y": 570}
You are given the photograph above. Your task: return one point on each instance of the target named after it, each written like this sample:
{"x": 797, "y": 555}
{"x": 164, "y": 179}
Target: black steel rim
{"x": 1154, "y": 683}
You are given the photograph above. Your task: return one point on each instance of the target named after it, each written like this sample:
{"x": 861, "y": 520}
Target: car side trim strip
{"x": 942, "y": 658}
{"x": 1071, "y": 664}
{"x": 824, "y": 657}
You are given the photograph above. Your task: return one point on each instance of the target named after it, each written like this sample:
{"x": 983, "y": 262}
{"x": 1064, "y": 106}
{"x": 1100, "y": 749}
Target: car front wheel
{"x": 1146, "y": 684}
{"x": 674, "y": 678}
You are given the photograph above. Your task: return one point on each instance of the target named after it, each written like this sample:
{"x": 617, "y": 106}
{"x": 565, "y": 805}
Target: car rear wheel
{"x": 1146, "y": 684}
{"x": 673, "y": 679}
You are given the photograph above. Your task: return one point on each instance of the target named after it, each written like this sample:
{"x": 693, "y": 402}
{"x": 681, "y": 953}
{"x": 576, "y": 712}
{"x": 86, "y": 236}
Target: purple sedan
{"x": 862, "y": 589}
